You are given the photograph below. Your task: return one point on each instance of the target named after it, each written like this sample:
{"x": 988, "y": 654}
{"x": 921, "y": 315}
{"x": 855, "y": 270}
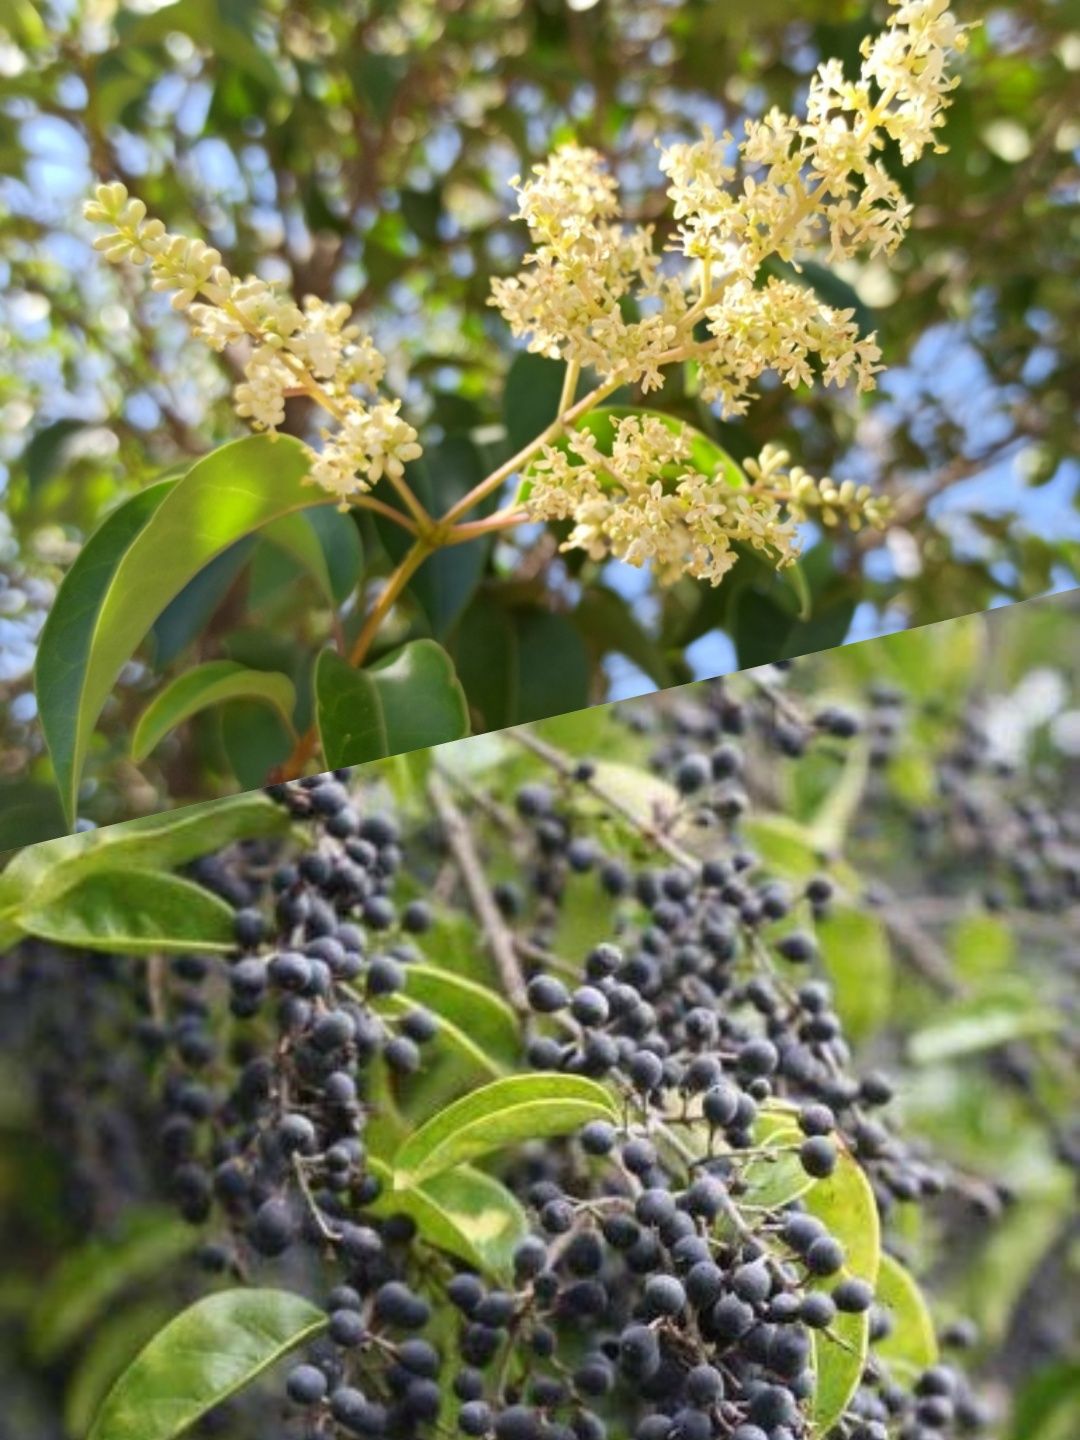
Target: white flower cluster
{"x": 791, "y": 186}
{"x": 313, "y": 350}
{"x": 645, "y": 503}
{"x": 569, "y": 295}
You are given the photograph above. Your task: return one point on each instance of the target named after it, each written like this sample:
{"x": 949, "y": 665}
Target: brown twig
{"x": 499, "y": 937}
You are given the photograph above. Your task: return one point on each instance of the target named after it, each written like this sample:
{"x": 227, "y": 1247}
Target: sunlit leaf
{"x": 506, "y": 1112}
{"x": 207, "y": 1353}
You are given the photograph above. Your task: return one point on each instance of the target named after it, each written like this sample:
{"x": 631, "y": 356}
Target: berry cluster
{"x": 677, "y": 1281}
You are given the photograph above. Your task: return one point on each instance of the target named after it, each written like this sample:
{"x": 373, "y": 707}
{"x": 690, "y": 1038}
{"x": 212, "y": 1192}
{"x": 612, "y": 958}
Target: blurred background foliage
{"x": 950, "y": 827}
{"x": 362, "y": 150}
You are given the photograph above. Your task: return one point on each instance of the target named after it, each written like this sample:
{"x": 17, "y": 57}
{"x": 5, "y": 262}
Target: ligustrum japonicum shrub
{"x": 537, "y": 1097}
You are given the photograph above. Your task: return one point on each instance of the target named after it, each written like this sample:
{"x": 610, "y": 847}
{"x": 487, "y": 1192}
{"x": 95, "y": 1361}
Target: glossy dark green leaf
{"x": 63, "y": 652}
{"x": 552, "y": 666}
{"x": 486, "y": 658}
{"x": 316, "y": 537}
{"x": 530, "y": 397}
{"x": 256, "y": 740}
{"x": 184, "y": 618}
{"x": 30, "y": 811}
{"x": 608, "y": 623}
{"x": 207, "y": 1353}
{"x": 132, "y": 912}
{"x": 506, "y": 1112}
{"x": 233, "y": 492}
{"x": 409, "y": 699}
{"x": 447, "y": 580}
{"x": 339, "y": 537}
{"x": 206, "y": 685}
{"x": 87, "y": 1280}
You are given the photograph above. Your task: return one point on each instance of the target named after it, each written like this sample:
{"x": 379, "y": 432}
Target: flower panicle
{"x": 791, "y": 185}
{"x": 313, "y": 349}
{"x": 646, "y": 503}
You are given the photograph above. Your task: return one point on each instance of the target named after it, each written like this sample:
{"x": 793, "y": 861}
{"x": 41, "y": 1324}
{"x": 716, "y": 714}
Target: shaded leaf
{"x": 410, "y": 699}
{"x": 211, "y": 684}
{"x": 531, "y": 397}
{"x": 233, "y": 492}
{"x": 184, "y": 618}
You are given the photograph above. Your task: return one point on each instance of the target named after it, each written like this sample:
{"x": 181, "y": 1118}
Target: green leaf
{"x": 233, "y": 492}
{"x": 1048, "y": 1407}
{"x": 774, "y": 1180}
{"x": 785, "y": 847}
{"x": 340, "y": 540}
{"x": 409, "y": 700}
{"x": 315, "y": 538}
{"x": 207, "y": 1353}
{"x": 30, "y": 812}
{"x": 87, "y": 1280}
{"x": 184, "y": 618}
{"x": 648, "y": 798}
{"x": 42, "y": 872}
{"x": 465, "y": 1212}
{"x": 204, "y": 686}
{"x": 132, "y": 912}
{"x": 531, "y": 397}
{"x": 856, "y": 955}
{"x": 832, "y": 821}
{"x": 585, "y": 918}
{"x": 486, "y": 657}
{"x": 49, "y": 448}
{"x": 846, "y": 1204}
{"x": 911, "y": 1345}
{"x": 981, "y": 945}
{"x": 482, "y": 1020}
{"x": 63, "y": 653}
{"x": 255, "y": 740}
{"x": 447, "y": 580}
{"x": 552, "y": 666}
{"x": 1008, "y": 1011}
{"x": 506, "y": 1112}
{"x": 608, "y": 623}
